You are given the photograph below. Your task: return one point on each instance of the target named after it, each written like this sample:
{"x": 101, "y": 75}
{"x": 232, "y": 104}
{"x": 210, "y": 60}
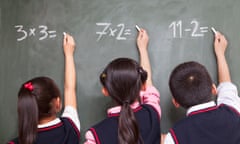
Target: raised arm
{"x": 220, "y": 45}
{"x": 142, "y": 43}
{"x": 70, "y": 72}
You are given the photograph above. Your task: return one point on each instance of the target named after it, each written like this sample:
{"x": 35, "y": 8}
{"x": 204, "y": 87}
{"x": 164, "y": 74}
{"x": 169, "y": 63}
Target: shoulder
{"x": 151, "y": 96}
{"x": 185, "y": 123}
{"x": 107, "y": 124}
{"x": 149, "y": 108}
{"x": 104, "y": 131}
{"x": 70, "y": 125}
{"x": 228, "y": 95}
{"x": 71, "y": 113}
{"x": 228, "y": 87}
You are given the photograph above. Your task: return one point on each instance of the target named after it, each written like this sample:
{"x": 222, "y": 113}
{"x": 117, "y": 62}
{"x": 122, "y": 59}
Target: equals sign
{"x": 127, "y": 32}
{"x": 204, "y": 29}
{"x": 52, "y": 34}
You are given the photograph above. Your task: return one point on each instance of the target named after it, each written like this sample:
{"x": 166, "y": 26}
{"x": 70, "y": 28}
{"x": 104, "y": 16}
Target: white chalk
{"x": 64, "y": 33}
{"x": 138, "y": 28}
{"x": 214, "y": 31}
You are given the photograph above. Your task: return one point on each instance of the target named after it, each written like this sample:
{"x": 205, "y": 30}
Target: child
{"x": 130, "y": 121}
{"x": 39, "y": 102}
{"x": 206, "y": 122}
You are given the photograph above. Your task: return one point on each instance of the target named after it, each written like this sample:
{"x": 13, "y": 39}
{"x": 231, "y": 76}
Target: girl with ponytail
{"x": 39, "y": 102}
{"x": 135, "y": 119}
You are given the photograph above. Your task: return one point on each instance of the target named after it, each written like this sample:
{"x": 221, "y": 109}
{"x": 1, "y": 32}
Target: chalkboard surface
{"x": 179, "y": 30}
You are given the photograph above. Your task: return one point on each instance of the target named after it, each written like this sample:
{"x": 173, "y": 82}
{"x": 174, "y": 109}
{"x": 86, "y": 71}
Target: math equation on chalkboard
{"x": 179, "y": 29}
{"x": 41, "y": 31}
{"x": 118, "y": 32}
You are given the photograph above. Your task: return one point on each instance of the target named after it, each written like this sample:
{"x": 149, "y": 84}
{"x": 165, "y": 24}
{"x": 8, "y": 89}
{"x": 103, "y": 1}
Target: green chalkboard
{"x": 179, "y": 30}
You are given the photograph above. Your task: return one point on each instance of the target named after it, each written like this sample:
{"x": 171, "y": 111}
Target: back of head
{"x": 190, "y": 84}
{"x": 123, "y": 79}
{"x": 35, "y": 103}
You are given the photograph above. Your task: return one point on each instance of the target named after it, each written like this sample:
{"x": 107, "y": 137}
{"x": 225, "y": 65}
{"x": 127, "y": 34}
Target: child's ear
{"x": 105, "y": 91}
{"x": 144, "y": 87}
{"x": 214, "y": 89}
{"x": 58, "y": 104}
{"x": 175, "y": 103}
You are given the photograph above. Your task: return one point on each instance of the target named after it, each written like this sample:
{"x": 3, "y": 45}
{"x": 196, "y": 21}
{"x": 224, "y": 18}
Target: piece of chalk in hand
{"x": 64, "y": 33}
{"x": 138, "y": 28}
{"x": 214, "y": 31}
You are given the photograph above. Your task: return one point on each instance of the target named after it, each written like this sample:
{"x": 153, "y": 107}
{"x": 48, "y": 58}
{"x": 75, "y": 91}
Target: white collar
{"x": 200, "y": 106}
{"x": 51, "y": 123}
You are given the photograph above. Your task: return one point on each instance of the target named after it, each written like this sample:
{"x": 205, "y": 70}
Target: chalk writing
{"x": 41, "y": 30}
{"x": 120, "y": 32}
{"x": 178, "y": 29}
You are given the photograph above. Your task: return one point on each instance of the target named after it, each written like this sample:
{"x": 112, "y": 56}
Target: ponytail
{"x": 128, "y": 131}
{"x": 27, "y": 116}
{"x": 34, "y": 104}
{"x": 123, "y": 79}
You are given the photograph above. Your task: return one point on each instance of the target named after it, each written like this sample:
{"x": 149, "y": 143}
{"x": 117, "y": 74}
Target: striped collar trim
{"x": 201, "y": 108}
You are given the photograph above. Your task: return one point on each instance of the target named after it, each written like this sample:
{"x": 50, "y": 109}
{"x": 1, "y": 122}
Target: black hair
{"x": 34, "y": 103}
{"x": 123, "y": 79}
{"x": 190, "y": 84}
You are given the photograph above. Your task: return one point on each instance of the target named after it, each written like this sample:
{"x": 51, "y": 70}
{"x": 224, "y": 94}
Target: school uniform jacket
{"x": 64, "y": 132}
{"x": 106, "y": 132}
{"x": 214, "y": 125}
{"x": 210, "y": 123}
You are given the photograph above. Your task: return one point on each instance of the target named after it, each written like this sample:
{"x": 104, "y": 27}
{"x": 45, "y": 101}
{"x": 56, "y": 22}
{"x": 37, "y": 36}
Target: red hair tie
{"x": 28, "y": 86}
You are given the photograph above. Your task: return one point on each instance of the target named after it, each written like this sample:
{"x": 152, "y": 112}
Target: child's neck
{"x": 46, "y": 120}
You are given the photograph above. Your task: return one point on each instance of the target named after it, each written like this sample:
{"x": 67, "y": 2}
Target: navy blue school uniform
{"x": 148, "y": 115}
{"x": 216, "y": 125}
{"x": 64, "y": 132}
{"x": 106, "y": 132}
{"x": 210, "y": 123}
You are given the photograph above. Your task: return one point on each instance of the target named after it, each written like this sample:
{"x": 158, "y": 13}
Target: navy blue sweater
{"x": 106, "y": 132}
{"x": 214, "y": 125}
{"x": 64, "y": 132}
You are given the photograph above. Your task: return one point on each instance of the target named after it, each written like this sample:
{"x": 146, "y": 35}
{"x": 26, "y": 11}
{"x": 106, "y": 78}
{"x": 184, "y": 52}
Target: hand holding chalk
{"x": 214, "y": 30}
{"x": 68, "y": 44}
{"x": 138, "y": 28}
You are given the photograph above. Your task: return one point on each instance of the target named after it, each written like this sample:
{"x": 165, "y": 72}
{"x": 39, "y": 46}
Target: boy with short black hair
{"x": 207, "y": 122}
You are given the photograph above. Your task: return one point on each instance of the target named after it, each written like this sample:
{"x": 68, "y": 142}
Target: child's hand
{"x": 142, "y": 40}
{"x": 220, "y": 44}
{"x": 68, "y": 44}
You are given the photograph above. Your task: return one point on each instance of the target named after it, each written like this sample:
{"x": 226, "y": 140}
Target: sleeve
{"x": 89, "y": 138}
{"x": 151, "y": 96}
{"x": 72, "y": 114}
{"x": 169, "y": 139}
{"x": 228, "y": 94}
